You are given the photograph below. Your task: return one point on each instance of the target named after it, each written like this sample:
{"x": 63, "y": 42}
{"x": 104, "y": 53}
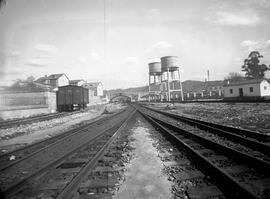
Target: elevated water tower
{"x": 154, "y": 78}
{"x": 171, "y": 76}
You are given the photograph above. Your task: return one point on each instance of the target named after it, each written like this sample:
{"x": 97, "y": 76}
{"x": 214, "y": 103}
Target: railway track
{"x": 64, "y": 162}
{"x": 238, "y": 170}
{"x": 71, "y": 165}
{"x": 244, "y": 136}
{"x": 29, "y": 120}
{"x": 27, "y": 151}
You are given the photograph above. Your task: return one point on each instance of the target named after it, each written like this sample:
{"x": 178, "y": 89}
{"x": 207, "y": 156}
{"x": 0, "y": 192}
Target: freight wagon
{"x": 71, "y": 97}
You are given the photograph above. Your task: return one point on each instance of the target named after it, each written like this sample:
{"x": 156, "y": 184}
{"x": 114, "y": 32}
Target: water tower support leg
{"x": 181, "y": 89}
{"x": 149, "y": 89}
{"x": 168, "y": 80}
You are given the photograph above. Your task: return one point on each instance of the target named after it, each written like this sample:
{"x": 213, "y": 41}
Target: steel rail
{"x": 244, "y": 132}
{"x": 225, "y": 131}
{"x": 55, "y": 139}
{"x": 247, "y": 159}
{"x": 11, "y": 123}
{"x": 220, "y": 100}
{"x": 224, "y": 181}
{"x": 73, "y": 186}
{"x": 16, "y": 186}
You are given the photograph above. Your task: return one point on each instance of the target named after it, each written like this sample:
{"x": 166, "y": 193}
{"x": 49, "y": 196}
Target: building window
{"x": 265, "y": 87}
{"x": 231, "y": 91}
{"x": 251, "y": 89}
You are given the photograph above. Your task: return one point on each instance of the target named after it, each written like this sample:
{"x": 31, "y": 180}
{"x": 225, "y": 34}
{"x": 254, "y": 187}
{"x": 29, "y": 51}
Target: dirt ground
{"x": 253, "y": 116}
{"x": 14, "y": 137}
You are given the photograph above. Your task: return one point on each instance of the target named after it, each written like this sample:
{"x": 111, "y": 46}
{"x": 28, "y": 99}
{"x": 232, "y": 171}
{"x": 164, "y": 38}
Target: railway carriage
{"x": 71, "y": 97}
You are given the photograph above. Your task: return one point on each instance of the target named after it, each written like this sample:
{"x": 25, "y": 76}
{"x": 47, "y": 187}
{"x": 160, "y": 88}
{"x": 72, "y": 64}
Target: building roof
{"x": 56, "y": 76}
{"x": 244, "y": 82}
{"x": 41, "y": 79}
{"x": 92, "y": 84}
{"x": 51, "y": 77}
{"x": 41, "y": 85}
{"x": 76, "y": 81}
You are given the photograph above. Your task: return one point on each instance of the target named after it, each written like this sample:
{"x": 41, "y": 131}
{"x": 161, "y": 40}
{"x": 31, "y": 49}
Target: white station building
{"x": 247, "y": 88}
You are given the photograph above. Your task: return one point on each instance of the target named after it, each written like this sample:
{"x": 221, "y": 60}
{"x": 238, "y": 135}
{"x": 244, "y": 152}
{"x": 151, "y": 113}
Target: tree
{"x": 3, "y": 3}
{"x": 30, "y": 79}
{"x": 252, "y": 66}
{"x": 234, "y": 77}
{"x": 23, "y": 83}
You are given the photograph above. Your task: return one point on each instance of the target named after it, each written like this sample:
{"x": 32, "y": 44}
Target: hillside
{"x": 193, "y": 86}
{"x": 188, "y": 86}
{"x": 136, "y": 90}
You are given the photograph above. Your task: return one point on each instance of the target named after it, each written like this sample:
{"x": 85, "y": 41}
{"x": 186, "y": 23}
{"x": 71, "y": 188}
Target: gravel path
{"x": 15, "y": 137}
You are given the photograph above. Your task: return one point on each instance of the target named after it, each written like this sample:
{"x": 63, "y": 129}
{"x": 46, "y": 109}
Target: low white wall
{"x": 24, "y": 104}
{"x": 9, "y": 114}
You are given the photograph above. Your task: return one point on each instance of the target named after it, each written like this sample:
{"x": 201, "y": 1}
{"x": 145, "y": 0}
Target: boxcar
{"x": 70, "y": 98}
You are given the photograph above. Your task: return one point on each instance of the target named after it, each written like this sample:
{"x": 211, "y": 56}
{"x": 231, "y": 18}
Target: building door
{"x": 241, "y": 92}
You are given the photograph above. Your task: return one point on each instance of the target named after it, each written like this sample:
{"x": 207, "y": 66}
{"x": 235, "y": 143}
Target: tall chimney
{"x": 208, "y": 75}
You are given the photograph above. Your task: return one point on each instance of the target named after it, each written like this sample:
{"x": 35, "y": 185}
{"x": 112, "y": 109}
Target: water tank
{"x": 169, "y": 62}
{"x": 154, "y": 68}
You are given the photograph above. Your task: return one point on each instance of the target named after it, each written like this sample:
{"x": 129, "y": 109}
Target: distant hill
{"x": 188, "y": 86}
{"x": 193, "y": 86}
{"x": 136, "y": 90}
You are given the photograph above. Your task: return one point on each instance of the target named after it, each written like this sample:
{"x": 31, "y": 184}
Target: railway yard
{"x": 147, "y": 150}
{"x": 135, "y": 99}
{"x": 253, "y": 116}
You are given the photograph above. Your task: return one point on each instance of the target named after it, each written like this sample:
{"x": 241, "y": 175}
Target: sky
{"x": 113, "y": 41}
